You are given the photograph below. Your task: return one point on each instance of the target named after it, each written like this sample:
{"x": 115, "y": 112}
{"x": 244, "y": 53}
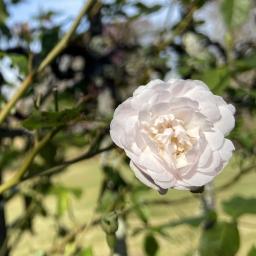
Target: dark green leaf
{"x": 246, "y": 63}
{"x": 238, "y": 206}
{"x": 4, "y": 29}
{"x": 7, "y": 156}
{"x": 145, "y": 9}
{"x": 151, "y": 245}
{"x": 49, "y": 38}
{"x": 109, "y": 223}
{"x": 48, "y": 153}
{"x": 3, "y": 11}
{"x": 210, "y": 219}
{"x": 252, "y": 251}
{"x": 44, "y": 119}
{"x": 115, "y": 177}
{"x": 222, "y": 239}
{"x": 107, "y": 201}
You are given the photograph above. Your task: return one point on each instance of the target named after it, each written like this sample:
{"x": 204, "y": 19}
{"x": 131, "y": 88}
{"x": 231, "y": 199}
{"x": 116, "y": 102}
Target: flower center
{"x": 169, "y": 133}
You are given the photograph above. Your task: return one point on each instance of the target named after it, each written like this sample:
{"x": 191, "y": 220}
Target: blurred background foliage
{"x": 78, "y": 196}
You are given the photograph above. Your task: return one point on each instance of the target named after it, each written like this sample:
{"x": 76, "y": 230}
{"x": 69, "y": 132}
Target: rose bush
{"x": 173, "y": 132}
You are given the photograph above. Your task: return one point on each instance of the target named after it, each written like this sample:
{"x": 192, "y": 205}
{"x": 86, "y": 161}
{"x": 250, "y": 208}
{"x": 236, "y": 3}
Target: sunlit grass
{"x": 182, "y": 239}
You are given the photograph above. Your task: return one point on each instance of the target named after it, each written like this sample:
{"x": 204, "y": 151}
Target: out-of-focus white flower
{"x": 173, "y": 132}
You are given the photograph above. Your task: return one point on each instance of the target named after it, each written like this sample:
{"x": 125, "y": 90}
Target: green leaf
{"x": 48, "y": 153}
{"x": 3, "y": 11}
{"x": 141, "y": 213}
{"x": 246, "y": 63}
{"x": 235, "y": 12}
{"x": 238, "y": 206}
{"x": 4, "y": 30}
{"x": 151, "y": 245}
{"x": 217, "y": 79}
{"x": 222, "y": 239}
{"x": 109, "y": 223}
{"x": 115, "y": 176}
{"x": 191, "y": 221}
{"x": 7, "y": 156}
{"x": 49, "y": 38}
{"x": 108, "y": 201}
{"x": 19, "y": 61}
{"x": 39, "y": 253}
{"x": 252, "y": 251}
{"x": 145, "y": 9}
{"x": 62, "y": 203}
{"x": 63, "y": 197}
{"x": 39, "y": 120}
{"x": 86, "y": 252}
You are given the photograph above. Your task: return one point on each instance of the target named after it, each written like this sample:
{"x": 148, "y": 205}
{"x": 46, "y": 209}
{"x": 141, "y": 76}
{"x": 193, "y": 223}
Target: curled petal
{"x": 145, "y": 178}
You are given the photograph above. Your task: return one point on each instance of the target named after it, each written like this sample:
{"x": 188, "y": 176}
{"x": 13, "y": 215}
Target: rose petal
{"x": 174, "y": 133}
{"x": 215, "y": 139}
{"x": 227, "y": 121}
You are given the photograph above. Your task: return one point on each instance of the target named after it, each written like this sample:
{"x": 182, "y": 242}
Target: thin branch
{"x": 236, "y": 178}
{"x": 16, "y": 50}
{"x": 26, "y": 163}
{"x": 65, "y": 164}
{"x": 71, "y": 236}
{"x": 14, "y": 132}
{"x": 59, "y": 248}
{"x": 62, "y": 44}
{"x": 92, "y": 151}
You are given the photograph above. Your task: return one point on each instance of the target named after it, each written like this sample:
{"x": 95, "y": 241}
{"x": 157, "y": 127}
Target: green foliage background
{"x": 56, "y": 156}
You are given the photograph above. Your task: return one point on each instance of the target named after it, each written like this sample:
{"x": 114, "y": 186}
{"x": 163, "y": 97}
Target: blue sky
{"x": 69, "y": 8}
{"x": 28, "y": 8}
{"x": 24, "y": 12}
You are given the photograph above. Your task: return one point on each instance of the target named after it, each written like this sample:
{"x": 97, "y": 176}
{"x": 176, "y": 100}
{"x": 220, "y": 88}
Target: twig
{"x": 236, "y": 178}
{"x": 186, "y": 21}
{"x": 57, "y": 168}
{"x": 71, "y": 236}
{"x": 67, "y": 239}
{"x": 92, "y": 151}
{"x": 62, "y": 44}
{"x": 14, "y": 132}
{"x": 21, "y": 222}
{"x": 28, "y": 160}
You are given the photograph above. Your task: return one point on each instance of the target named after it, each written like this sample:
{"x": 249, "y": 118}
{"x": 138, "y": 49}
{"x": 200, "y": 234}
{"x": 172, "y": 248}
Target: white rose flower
{"x": 173, "y": 132}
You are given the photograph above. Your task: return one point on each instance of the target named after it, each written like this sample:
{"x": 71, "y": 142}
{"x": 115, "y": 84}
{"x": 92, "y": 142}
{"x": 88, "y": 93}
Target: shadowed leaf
{"x": 222, "y": 239}
{"x": 238, "y": 206}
